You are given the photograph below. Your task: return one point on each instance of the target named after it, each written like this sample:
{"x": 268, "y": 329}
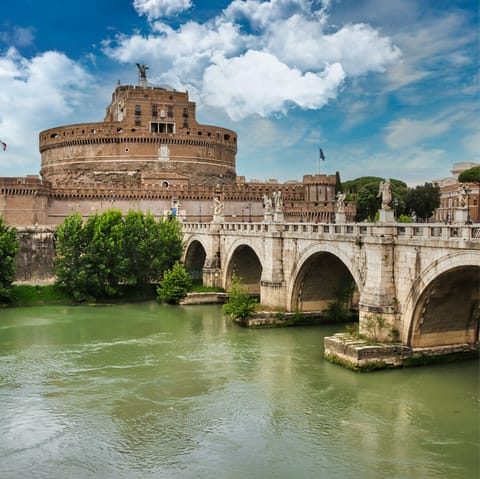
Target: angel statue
{"x": 142, "y": 71}
{"x": 385, "y": 192}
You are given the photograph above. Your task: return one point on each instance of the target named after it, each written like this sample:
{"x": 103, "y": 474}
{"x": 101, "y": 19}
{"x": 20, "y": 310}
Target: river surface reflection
{"x": 153, "y": 391}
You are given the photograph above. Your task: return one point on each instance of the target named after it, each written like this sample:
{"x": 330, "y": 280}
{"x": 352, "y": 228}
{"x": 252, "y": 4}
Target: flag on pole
{"x": 4, "y": 145}
{"x": 322, "y": 156}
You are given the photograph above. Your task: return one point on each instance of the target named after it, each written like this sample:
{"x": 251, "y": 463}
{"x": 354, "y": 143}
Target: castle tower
{"x": 150, "y": 136}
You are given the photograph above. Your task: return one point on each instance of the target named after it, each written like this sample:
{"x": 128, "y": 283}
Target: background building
{"x": 451, "y": 197}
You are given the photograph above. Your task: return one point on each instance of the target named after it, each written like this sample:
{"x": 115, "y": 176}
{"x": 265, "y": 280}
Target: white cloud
{"x": 258, "y": 82}
{"x": 160, "y": 8}
{"x": 410, "y": 132}
{"x": 34, "y": 93}
{"x": 358, "y": 48}
{"x": 259, "y": 56}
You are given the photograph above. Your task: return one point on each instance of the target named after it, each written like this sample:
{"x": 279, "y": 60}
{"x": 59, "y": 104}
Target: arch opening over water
{"x": 447, "y": 311}
{"x": 246, "y": 265}
{"x": 324, "y": 282}
{"x": 195, "y": 256}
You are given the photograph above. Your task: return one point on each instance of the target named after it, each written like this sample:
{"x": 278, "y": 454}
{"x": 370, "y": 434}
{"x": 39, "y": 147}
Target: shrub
{"x": 174, "y": 285}
{"x": 240, "y": 304}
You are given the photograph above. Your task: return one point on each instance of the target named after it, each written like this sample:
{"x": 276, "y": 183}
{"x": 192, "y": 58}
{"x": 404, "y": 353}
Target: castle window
{"x": 162, "y": 127}
{"x": 138, "y": 121}
{"x": 185, "y": 123}
{"x": 138, "y": 110}
{"x": 170, "y": 112}
{"x": 226, "y": 137}
{"x": 185, "y": 113}
{"x": 165, "y": 184}
{"x": 154, "y": 110}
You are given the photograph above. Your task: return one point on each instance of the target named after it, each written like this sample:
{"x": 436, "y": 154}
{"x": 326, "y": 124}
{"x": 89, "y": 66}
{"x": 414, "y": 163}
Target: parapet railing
{"x": 399, "y": 230}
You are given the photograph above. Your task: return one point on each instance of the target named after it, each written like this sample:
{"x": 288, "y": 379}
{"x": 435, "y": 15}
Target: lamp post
{"x": 395, "y": 206}
{"x": 200, "y": 213}
{"x": 468, "y": 190}
{"x": 243, "y": 214}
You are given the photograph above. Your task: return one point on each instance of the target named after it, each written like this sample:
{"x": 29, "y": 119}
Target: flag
{"x": 4, "y": 145}
{"x": 322, "y": 156}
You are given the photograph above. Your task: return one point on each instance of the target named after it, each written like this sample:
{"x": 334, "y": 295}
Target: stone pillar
{"x": 460, "y": 215}
{"x": 340, "y": 217}
{"x": 378, "y": 304}
{"x": 272, "y": 284}
{"x": 212, "y": 269}
{"x": 386, "y": 216}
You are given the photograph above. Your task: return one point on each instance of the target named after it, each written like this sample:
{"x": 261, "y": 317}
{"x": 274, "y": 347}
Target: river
{"x": 155, "y": 391}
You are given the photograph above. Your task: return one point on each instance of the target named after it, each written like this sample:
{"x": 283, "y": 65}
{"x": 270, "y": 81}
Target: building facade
{"x": 459, "y": 202}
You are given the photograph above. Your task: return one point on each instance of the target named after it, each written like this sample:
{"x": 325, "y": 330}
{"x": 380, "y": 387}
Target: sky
{"x": 385, "y": 88}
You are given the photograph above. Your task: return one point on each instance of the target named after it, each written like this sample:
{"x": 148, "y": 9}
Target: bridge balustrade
{"x": 414, "y": 230}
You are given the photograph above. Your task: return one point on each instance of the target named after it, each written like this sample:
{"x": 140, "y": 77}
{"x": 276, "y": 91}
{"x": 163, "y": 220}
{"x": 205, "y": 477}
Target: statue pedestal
{"x": 278, "y": 217}
{"x": 386, "y": 216}
{"x": 218, "y": 218}
{"x": 340, "y": 217}
{"x": 268, "y": 217}
{"x": 460, "y": 216}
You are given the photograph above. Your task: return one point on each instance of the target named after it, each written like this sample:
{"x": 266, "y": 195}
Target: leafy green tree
{"x": 364, "y": 191}
{"x": 169, "y": 244}
{"x": 70, "y": 264}
{"x": 105, "y": 262}
{"x": 8, "y": 250}
{"x": 98, "y": 258}
{"x": 240, "y": 304}
{"x": 174, "y": 285}
{"x": 141, "y": 243}
{"x": 423, "y": 200}
{"x": 472, "y": 175}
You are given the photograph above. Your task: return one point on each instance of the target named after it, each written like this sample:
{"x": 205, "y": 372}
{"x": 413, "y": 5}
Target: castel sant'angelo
{"x": 150, "y": 154}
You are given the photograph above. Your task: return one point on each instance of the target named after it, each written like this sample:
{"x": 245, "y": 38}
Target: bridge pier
{"x": 378, "y": 315}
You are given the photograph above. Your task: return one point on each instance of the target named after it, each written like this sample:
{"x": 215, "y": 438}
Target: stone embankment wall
{"x": 36, "y": 255}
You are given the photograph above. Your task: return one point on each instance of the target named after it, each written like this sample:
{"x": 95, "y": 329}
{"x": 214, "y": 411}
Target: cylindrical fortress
{"x": 150, "y": 136}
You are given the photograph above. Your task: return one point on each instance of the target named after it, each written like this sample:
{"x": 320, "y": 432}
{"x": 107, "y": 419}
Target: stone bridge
{"x": 421, "y": 279}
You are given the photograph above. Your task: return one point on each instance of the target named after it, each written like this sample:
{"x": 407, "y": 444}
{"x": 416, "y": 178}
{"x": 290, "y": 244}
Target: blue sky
{"x": 387, "y": 88}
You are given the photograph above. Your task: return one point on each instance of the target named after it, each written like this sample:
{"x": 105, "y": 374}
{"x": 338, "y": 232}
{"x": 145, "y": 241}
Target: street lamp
{"x": 395, "y": 206}
{"x": 200, "y": 213}
{"x": 243, "y": 216}
{"x": 468, "y": 190}
{"x": 249, "y": 212}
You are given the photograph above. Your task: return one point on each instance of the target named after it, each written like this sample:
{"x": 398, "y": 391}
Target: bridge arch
{"x": 244, "y": 262}
{"x": 442, "y": 307}
{"x": 195, "y": 254}
{"x": 321, "y": 273}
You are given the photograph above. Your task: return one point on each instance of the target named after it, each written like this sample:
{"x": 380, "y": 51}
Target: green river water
{"x": 152, "y": 391}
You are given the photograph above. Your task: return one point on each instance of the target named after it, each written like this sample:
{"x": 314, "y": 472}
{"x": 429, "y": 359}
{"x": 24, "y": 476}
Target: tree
{"x": 240, "y": 304}
{"x": 70, "y": 261}
{"x": 8, "y": 250}
{"x": 98, "y": 258}
{"x": 174, "y": 285}
{"x": 472, "y": 175}
{"x": 104, "y": 258}
{"x": 364, "y": 191}
{"x": 423, "y": 200}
